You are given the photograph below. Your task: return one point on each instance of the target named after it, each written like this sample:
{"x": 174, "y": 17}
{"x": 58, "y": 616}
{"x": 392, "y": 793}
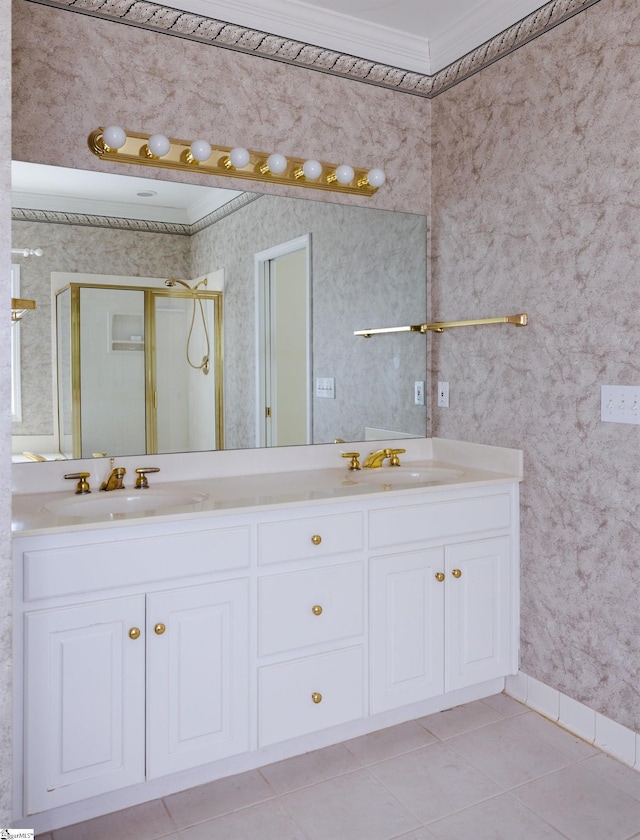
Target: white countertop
{"x": 468, "y": 465}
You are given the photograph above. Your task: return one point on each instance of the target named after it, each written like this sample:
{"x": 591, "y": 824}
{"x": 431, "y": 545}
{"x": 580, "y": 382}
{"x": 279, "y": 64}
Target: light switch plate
{"x": 326, "y": 387}
{"x": 620, "y": 404}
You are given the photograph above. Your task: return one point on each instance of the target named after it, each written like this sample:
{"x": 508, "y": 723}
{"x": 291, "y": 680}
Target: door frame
{"x": 262, "y": 260}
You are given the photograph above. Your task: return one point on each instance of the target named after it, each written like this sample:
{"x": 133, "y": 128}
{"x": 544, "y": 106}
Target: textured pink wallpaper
{"x": 536, "y": 179}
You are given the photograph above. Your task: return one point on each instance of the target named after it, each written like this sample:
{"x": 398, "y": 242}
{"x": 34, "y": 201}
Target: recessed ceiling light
{"x": 146, "y": 193}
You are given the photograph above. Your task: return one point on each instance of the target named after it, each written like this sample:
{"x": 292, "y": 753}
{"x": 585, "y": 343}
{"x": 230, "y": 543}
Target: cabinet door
{"x": 197, "y": 676}
{"x": 407, "y": 621}
{"x": 84, "y": 701}
{"x": 478, "y": 609}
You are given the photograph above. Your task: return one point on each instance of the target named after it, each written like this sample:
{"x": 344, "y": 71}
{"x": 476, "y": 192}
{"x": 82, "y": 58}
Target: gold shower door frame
{"x": 151, "y": 369}
{"x": 150, "y": 338}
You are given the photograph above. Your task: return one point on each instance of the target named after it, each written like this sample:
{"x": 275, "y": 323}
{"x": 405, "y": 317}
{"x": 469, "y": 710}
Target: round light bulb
{"x": 114, "y": 136}
{"x": 239, "y": 157}
{"x": 345, "y": 174}
{"x": 312, "y": 169}
{"x": 200, "y": 150}
{"x": 277, "y": 163}
{"x": 158, "y": 145}
{"x": 376, "y": 177}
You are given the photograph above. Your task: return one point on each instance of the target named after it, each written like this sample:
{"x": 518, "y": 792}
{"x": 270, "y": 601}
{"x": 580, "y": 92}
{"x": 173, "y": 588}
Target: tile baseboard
{"x": 586, "y": 723}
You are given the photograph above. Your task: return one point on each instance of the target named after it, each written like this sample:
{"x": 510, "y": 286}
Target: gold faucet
{"x": 114, "y": 479}
{"x": 376, "y": 458}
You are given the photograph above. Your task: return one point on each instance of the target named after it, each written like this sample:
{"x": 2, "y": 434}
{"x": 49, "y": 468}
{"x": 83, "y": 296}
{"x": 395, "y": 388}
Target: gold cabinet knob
{"x": 316, "y": 610}
{"x": 316, "y": 697}
{"x": 134, "y": 633}
{"x": 456, "y": 573}
{"x": 439, "y": 576}
{"x": 316, "y": 539}
{"x": 159, "y": 629}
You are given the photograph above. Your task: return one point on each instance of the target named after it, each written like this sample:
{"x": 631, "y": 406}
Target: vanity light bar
{"x": 520, "y": 320}
{"x": 114, "y": 143}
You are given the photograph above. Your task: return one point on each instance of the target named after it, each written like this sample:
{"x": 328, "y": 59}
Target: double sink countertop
{"x": 201, "y": 484}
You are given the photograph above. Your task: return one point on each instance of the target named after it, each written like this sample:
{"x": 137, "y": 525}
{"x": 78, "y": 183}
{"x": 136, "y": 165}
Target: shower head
{"x": 172, "y": 282}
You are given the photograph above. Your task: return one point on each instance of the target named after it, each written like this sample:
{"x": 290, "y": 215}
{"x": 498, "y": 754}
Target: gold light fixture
{"x": 114, "y": 143}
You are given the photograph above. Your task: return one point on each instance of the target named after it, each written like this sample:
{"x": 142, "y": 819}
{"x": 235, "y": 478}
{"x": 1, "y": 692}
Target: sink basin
{"x": 119, "y": 503}
{"x": 405, "y": 475}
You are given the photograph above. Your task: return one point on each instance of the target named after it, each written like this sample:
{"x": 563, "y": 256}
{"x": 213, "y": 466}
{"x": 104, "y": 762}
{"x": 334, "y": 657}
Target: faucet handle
{"x": 354, "y": 464}
{"x": 394, "y": 461}
{"x": 83, "y": 485}
{"x": 142, "y": 483}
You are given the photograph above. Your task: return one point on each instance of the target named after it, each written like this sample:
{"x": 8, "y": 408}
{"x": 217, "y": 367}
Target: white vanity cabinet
{"x": 310, "y": 624}
{"x": 119, "y": 690}
{"x": 162, "y": 654}
{"x": 442, "y": 616}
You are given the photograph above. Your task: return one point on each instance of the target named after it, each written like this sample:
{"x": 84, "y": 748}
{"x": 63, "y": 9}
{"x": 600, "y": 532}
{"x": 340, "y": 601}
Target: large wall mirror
{"x": 353, "y": 267}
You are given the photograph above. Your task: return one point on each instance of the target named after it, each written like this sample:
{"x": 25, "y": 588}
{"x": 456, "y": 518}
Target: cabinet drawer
{"x": 286, "y": 694}
{"x": 439, "y": 520}
{"x": 68, "y": 570}
{"x": 307, "y": 608}
{"x": 318, "y": 536}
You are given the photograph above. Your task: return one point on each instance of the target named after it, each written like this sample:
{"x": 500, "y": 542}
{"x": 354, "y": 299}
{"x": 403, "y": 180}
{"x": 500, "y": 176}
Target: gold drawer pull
{"x": 439, "y": 576}
{"x": 316, "y": 697}
{"x": 159, "y": 629}
{"x": 456, "y": 573}
{"x": 316, "y": 539}
{"x": 317, "y": 610}
{"x": 134, "y": 633}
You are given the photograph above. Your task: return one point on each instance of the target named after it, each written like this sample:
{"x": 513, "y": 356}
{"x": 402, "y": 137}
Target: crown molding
{"x": 170, "y": 21}
{"x": 331, "y": 30}
{"x": 477, "y": 25}
{"x": 61, "y": 217}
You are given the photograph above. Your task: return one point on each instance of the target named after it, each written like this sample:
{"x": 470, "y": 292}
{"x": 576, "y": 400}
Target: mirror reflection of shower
{"x": 204, "y": 364}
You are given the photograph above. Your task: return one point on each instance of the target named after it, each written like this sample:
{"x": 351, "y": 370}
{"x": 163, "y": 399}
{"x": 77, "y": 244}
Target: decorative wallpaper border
{"x": 218, "y": 33}
{"x": 56, "y": 217}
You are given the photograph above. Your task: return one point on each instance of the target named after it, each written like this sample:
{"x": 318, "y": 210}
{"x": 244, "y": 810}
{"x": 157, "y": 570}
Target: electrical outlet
{"x": 620, "y": 404}
{"x": 418, "y": 393}
{"x": 443, "y": 394}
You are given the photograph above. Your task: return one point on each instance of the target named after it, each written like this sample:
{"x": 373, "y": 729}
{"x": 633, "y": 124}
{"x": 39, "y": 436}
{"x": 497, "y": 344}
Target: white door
{"x": 407, "y": 624}
{"x": 197, "y": 676}
{"x": 84, "y": 701}
{"x": 284, "y": 344}
{"x": 478, "y": 609}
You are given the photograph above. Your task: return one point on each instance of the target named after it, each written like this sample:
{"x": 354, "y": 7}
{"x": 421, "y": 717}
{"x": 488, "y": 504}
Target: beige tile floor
{"x": 488, "y": 770}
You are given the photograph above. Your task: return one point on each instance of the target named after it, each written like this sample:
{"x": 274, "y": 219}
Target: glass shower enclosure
{"x": 139, "y": 370}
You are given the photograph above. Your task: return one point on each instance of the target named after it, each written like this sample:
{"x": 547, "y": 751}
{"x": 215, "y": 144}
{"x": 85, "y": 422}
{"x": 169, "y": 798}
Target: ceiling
{"x": 53, "y": 188}
{"x": 422, "y": 36}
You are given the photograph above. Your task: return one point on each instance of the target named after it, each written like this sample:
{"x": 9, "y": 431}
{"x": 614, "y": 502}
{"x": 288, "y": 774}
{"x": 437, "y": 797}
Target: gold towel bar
{"x": 520, "y": 320}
